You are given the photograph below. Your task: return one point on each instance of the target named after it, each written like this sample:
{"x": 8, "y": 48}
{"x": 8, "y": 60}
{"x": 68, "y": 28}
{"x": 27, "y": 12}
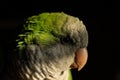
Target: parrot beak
{"x": 81, "y": 56}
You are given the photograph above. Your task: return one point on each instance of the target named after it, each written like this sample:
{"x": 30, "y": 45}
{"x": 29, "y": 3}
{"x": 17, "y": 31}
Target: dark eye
{"x": 65, "y": 40}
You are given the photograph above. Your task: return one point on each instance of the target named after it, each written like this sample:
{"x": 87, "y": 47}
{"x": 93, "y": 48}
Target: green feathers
{"x": 70, "y": 75}
{"x": 45, "y": 29}
{"x": 50, "y": 28}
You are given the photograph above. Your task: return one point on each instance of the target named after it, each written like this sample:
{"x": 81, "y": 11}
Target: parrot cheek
{"x": 81, "y": 56}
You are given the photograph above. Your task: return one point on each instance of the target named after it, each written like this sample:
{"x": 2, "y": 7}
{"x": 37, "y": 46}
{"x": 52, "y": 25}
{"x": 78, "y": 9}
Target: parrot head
{"x": 50, "y": 44}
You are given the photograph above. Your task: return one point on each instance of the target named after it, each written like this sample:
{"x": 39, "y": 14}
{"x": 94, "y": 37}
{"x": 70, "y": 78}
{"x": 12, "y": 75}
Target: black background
{"x": 102, "y": 22}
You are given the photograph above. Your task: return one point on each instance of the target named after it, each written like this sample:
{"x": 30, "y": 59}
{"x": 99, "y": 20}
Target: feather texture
{"x": 46, "y": 47}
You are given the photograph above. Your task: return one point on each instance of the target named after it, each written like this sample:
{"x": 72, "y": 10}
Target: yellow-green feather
{"x": 45, "y": 28}
{"x": 70, "y": 75}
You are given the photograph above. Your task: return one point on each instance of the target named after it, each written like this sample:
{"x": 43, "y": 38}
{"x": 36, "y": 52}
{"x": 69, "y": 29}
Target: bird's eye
{"x": 65, "y": 40}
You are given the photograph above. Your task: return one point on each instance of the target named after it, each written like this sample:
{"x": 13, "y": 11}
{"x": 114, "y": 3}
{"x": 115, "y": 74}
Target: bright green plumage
{"x": 45, "y": 28}
{"x": 70, "y": 75}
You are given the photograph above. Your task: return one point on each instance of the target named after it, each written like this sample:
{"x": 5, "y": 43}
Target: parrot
{"x": 48, "y": 46}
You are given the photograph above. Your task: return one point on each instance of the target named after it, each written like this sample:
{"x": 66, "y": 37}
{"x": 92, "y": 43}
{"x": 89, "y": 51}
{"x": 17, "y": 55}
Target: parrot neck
{"x": 45, "y": 64}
